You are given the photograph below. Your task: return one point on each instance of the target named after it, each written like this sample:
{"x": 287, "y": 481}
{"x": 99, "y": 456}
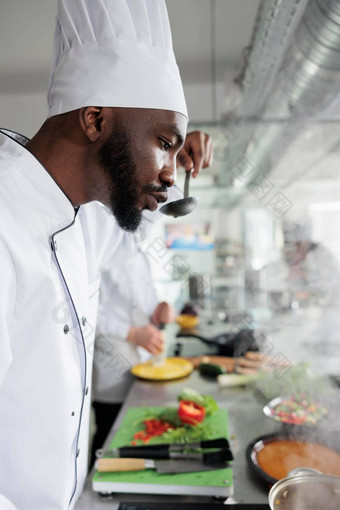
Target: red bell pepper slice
{"x": 190, "y": 412}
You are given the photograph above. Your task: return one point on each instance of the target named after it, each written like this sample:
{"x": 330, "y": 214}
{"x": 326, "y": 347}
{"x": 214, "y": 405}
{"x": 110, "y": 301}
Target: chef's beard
{"x": 117, "y": 161}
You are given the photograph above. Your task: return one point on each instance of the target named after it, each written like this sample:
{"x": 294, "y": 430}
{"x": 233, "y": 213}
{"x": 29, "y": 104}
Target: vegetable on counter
{"x": 190, "y": 412}
{"x": 211, "y": 369}
{"x": 207, "y": 401}
{"x": 183, "y": 424}
{"x": 234, "y": 380}
{"x": 153, "y": 428}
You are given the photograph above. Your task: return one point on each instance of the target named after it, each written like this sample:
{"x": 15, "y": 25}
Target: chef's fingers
{"x": 141, "y": 335}
{"x": 184, "y": 160}
{"x": 167, "y": 314}
{"x": 192, "y": 154}
{"x": 196, "y": 153}
{"x": 155, "y": 344}
{"x": 210, "y": 153}
{"x": 149, "y": 337}
{"x": 200, "y": 151}
{"x": 163, "y": 314}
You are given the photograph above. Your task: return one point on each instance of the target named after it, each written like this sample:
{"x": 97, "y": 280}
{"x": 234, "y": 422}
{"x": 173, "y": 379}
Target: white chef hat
{"x": 294, "y": 232}
{"x": 114, "y": 53}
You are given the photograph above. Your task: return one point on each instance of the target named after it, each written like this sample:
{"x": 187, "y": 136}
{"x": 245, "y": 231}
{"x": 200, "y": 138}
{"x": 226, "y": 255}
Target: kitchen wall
{"x": 208, "y": 36}
{"x": 25, "y": 112}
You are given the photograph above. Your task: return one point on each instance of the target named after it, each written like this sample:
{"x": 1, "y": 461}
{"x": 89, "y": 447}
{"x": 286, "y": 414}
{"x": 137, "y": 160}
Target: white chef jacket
{"x": 51, "y": 256}
{"x": 127, "y": 298}
{"x": 322, "y": 275}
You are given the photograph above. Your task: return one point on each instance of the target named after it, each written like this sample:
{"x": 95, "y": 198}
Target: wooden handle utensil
{"x": 121, "y": 464}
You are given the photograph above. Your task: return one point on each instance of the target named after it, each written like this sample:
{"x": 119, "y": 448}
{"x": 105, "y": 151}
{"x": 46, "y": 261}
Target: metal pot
{"x": 306, "y": 491}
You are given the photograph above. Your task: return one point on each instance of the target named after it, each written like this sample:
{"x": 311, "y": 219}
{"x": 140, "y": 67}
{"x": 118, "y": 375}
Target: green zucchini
{"x": 211, "y": 369}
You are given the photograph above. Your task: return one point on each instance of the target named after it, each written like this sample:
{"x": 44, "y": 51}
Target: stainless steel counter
{"x": 246, "y": 422}
{"x": 295, "y": 336}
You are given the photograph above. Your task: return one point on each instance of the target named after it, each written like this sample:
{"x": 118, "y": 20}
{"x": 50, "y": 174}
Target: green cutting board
{"x": 217, "y": 482}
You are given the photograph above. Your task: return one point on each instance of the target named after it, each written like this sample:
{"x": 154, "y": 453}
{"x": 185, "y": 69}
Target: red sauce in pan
{"x": 277, "y": 458}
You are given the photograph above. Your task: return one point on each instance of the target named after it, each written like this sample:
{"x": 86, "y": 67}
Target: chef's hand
{"x": 163, "y": 313}
{"x": 197, "y": 152}
{"x": 149, "y": 337}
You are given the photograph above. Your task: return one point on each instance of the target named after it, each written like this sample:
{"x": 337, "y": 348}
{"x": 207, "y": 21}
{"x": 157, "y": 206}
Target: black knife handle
{"x": 220, "y": 456}
{"x": 158, "y": 451}
{"x": 162, "y": 451}
{"x": 221, "y": 442}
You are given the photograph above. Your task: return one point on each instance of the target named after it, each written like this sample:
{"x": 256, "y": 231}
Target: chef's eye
{"x": 166, "y": 145}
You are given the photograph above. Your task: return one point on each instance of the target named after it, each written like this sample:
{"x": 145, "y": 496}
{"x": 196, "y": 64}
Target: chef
{"x": 312, "y": 268}
{"x": 116, "y": 123}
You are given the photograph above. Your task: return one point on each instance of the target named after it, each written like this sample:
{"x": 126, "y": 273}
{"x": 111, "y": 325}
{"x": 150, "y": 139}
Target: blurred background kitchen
{"x": 262, "y": 247}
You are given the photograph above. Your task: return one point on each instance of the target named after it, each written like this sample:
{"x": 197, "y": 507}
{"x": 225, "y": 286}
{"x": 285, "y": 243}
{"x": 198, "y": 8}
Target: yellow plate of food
{"x": 170, "y": 368}
{"x": 187, "y": 321}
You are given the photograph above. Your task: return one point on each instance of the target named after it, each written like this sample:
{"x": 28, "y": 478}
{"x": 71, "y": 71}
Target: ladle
{"x": 182, "y": 206}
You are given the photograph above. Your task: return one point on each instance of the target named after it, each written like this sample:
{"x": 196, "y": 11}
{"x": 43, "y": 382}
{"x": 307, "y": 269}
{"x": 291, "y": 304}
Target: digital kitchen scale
{"x": 214, "y": 483}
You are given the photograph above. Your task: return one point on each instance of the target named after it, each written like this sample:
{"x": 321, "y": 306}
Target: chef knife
{"x": 161, "y": 466}
{"x": 164, "y": 451}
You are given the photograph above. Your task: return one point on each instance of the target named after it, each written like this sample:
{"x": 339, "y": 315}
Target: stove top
{"x": 190, "y": 506}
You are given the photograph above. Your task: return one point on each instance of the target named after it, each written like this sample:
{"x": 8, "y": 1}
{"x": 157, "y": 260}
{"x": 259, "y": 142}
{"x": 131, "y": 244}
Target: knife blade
{"x": 105, "y": 465}
{"x": 164, "y": 451}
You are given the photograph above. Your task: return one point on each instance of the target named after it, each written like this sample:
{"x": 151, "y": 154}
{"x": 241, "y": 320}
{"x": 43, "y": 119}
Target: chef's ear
{"x": 92, "y": 121}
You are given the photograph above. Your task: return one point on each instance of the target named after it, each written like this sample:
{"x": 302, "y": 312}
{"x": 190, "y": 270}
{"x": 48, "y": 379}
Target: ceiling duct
{"x": 291, "y": 75}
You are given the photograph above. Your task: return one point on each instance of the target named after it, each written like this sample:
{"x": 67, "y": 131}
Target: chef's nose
{"x": 168, "y": 175}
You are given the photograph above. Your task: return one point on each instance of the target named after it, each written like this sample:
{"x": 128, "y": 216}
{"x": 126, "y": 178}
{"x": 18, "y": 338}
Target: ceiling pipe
{"x": 305, "y": 83}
